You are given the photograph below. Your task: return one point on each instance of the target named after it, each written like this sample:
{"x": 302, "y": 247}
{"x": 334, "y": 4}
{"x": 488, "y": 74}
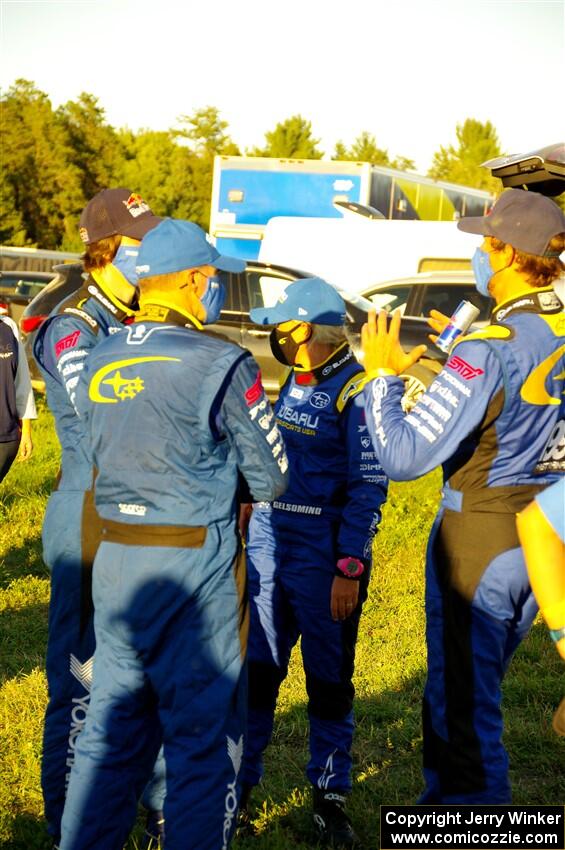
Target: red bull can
{"x": 459, "y": 323}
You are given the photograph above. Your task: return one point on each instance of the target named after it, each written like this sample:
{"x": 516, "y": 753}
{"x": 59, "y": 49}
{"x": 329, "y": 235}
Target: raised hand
{"x": 381, "y": 345}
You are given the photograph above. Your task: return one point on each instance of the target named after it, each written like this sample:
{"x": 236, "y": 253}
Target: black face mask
{"x": 284, "y": 347}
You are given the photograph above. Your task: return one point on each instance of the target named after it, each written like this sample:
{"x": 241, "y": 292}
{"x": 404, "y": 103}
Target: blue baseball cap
{"x": 310, "y": 300}
{"x": 175, "y": 245}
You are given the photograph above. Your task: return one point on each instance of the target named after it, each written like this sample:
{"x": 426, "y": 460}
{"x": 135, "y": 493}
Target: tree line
{"x": 55, "y": 160}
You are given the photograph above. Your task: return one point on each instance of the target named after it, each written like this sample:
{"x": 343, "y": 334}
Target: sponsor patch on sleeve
{"x": 553, "y": 455}
{"x": 255, "y": 391}
{"x": 66, "y": 342}
{"x": 465, "y": 369}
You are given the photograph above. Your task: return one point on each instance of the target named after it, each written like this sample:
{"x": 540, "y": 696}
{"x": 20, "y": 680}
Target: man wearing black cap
{"x": 111, "y": 225}
{"x": 495, "y": 418}
{"x": 175, "y": 414}
{"x": 309, "y": 552}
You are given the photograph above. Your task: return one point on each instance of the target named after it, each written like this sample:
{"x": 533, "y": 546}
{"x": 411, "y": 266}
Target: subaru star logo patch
{"x": 319, "y": 399}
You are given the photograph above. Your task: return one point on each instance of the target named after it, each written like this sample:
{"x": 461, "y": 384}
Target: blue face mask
{"x": 126, "y": 261}
{"x": 482, "y": 270}
{"x": 213, "y": 300}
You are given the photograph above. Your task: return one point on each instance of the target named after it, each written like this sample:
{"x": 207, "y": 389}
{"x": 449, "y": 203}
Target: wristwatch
{"x": 350, "y": 567}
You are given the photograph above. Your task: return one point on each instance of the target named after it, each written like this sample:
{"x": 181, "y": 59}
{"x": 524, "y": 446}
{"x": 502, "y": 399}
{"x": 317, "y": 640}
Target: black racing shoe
{"x": 154, "y": 836}
{"x": 244, "y": 824}
{"x": 334, "y": 827}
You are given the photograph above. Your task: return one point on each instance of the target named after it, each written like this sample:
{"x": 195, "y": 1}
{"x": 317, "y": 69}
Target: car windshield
{"x": 29, "y": 288}
{"x": 389, "y": 299}
{"x": 355, "y": 299}
{"x": 270, "y": 290}
{"x": 7, "y": 284}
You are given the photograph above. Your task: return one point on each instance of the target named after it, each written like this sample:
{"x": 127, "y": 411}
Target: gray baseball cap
{"x": 526, "y": 220}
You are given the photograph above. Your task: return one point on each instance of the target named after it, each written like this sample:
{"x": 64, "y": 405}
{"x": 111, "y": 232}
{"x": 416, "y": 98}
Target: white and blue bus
{"x": 248, "y": 191}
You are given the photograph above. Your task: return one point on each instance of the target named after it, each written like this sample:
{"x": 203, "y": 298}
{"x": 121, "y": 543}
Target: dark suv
{"x": 17, "y": 288}
{"x": 67, "y": 279}
{"x": 425, "y": 291}
{"x": 258, "y": 286}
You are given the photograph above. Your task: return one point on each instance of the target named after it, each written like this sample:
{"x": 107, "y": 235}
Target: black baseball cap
{"x": 116, "y": 211}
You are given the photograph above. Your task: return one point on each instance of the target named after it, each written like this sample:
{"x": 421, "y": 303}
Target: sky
{"x": 407, "y": 71}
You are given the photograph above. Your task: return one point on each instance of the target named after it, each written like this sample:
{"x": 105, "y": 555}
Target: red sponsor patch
{"x": 304, "y": 378}
{"x": 255, "y": 391}
{"x": 465, "y": 369}
{"x": 66, "y": 342}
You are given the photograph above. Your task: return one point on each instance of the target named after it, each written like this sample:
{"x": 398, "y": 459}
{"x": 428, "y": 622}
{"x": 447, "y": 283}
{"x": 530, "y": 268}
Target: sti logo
{"x": 255, "y": 391}
{"x": 66, "y": 342}
{"x": 465, "y": 369}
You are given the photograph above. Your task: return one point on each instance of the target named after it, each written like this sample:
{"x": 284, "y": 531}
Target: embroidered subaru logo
{"x": 319, "y": 399}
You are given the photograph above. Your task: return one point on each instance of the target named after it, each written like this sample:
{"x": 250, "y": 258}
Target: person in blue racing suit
{"x": 176, "y": 416}
{"x": 111, "y": 226}
{"x": 309, "y": 552}
{"x": 495, "y": 418}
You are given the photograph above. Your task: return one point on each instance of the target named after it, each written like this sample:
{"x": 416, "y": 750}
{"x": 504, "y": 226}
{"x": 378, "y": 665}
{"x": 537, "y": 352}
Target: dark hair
{"x": 99, "y": 254}
{"x": 540, "y": 271}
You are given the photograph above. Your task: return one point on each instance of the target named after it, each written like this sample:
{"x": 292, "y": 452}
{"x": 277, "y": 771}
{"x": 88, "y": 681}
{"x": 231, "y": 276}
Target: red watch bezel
{"x": 344, "y": 562}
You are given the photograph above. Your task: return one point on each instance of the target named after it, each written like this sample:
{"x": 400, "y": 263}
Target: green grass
{"x": 389, "y": 680}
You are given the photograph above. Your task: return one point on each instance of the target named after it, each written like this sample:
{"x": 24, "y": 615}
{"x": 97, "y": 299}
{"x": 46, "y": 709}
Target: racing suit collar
{"x": 164, "y": 311}
{"x": 96, "y": 289}
{"x": 333, "y": 364}
{"x": 543, "y": 300}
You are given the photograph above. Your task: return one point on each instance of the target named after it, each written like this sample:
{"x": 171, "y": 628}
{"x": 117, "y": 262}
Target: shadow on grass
{"x": 22, "y": 561}
{"x": 387, "y": 754}
{"x": 23, "y": 638}
{"x": 387, "y": 758}
{"x": 10, "y": 493}
{"x": 386, "y": 770}
{"x": 28, "y": 833}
